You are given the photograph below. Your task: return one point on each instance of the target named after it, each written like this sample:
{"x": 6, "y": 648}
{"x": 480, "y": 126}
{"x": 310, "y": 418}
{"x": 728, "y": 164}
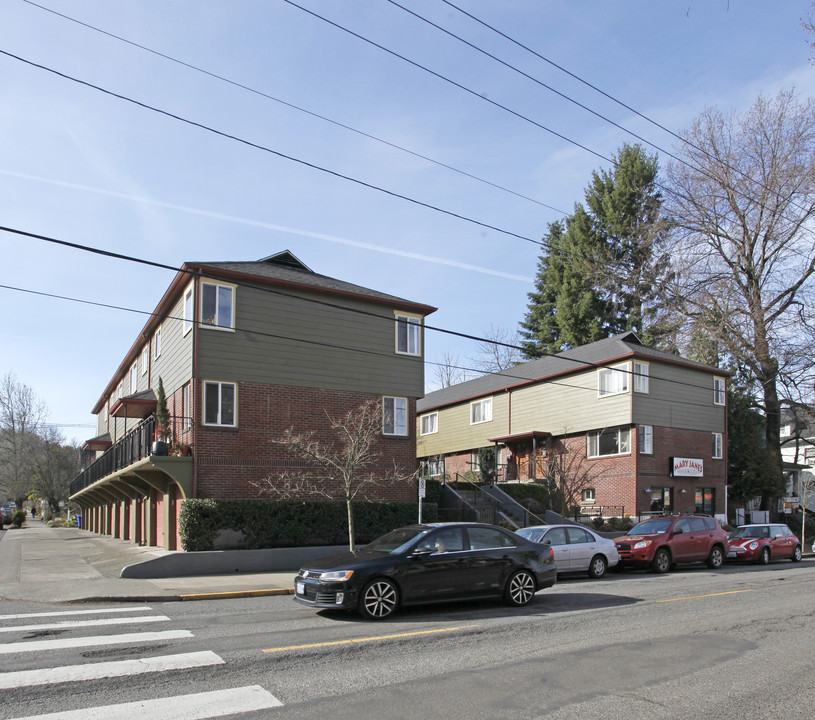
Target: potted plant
{"x": 162, "y": 433}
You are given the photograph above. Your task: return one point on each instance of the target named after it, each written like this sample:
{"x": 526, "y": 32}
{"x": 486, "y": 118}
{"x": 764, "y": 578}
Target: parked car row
{"x": 430, "y": 563}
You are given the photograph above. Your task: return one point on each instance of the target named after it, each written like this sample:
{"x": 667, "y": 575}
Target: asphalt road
{"x": 695, "y": 643}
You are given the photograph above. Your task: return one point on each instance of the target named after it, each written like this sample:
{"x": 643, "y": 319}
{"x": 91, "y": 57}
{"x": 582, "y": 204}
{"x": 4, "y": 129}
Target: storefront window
{"x": 705, "y": 501}
{"x": 661, "y": 500}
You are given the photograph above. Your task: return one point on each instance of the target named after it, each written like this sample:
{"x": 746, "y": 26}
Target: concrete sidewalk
{"x": 43, "y": 564}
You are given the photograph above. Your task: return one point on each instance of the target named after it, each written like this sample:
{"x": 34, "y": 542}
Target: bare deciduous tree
{"x": 55, "y": 465}
{"x": 448, "y": 372}
{"x": 500, "y": 350}
{"x": 344, "y": 467}
{"x": 22, "y": 415}
{"x": 743, "y": 204}
{"x": 567, "y": 474}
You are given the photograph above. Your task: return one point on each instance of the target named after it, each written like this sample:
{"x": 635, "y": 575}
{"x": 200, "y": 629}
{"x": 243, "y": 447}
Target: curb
{"x": 236, "y": 594}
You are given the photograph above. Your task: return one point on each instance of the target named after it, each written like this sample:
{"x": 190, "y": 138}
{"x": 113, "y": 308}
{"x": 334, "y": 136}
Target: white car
{"x": 576, "y": 548}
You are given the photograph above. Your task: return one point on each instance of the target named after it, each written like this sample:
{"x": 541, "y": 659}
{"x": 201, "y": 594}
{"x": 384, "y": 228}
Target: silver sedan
{"x": 576, "y": 548}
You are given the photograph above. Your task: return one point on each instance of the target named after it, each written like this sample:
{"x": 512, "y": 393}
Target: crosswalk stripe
{"x": 68, "y": 624}
{"x": 96, "y": 671}
{"x": 66, "y": 613}
{"x": 216, "y": 703}
{"x": 62, "y": 643}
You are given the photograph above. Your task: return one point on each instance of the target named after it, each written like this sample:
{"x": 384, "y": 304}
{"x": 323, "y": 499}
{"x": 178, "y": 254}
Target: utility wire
{"x": 450, "y": 81}
{"x": 334, "y": 346}
{"x": 314, "y": 301}
{"x": 277, "y": 153}
{"x": 260, "y": 93}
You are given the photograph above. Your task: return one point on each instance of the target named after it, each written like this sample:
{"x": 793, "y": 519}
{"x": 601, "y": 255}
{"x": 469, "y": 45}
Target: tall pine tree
{"x": 605, "y": 266}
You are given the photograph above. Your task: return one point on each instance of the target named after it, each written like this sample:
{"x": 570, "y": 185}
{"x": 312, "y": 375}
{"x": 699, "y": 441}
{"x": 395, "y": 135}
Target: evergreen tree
{"x": 605, "y": 269}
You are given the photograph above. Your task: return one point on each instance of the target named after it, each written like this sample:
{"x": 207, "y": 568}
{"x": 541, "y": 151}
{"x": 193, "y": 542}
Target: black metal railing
{"x": 135, "y": 445}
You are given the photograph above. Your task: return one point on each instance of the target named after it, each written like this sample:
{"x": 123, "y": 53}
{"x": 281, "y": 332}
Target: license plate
{"x": 300, "y": 588}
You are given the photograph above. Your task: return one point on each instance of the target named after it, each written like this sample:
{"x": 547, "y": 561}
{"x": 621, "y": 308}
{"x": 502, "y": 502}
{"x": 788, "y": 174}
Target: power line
{"x": 260, "y": 93}
{"x": 314, "y": 301}
{"x": 334, "y": 346}
{"x": 277, "y": 153}
{"x": 450, "y": 81}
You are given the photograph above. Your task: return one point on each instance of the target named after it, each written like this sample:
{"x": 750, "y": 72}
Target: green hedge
{"x": 292, "y": 523}
{"x": 526, "y": 491}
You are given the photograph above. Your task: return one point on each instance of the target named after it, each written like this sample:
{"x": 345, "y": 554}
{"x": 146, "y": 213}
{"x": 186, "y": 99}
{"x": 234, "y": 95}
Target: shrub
{"x": 18, "y": 518}
{"x": 526, "y": 491}
{"x": 291, "y": 523}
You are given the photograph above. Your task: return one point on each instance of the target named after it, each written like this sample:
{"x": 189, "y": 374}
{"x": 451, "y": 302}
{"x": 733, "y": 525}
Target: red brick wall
{"x": 621, "y": 480}
{"x": 229, "y": 460}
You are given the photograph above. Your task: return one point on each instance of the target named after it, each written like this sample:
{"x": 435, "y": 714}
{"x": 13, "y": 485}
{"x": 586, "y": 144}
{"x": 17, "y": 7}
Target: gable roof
{"x": 282, "y": 270}
{"x": 603, "y": 352}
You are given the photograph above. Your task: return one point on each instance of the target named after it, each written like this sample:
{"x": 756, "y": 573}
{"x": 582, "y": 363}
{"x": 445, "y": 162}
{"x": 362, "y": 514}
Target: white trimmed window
{"x": 217, "y": 306}
{"x": 408, "y": 334}
{"x": 394, "y": 416}
{"x": 611, "y": 441}
{"x": 157, "y": 342}
{"x": 718, "y": 391}
{"x": 145, "y": 360}
{"x": 612, "y": 380}
{"x": 134, "y": 379}
{"x": 188, "y": 310}
{"x": 186, "y": 401}
{"x": 645, "y": 439}
{"x": 220, "y": 403}
{"x": 481, "y": 411}
{"x": 718, "y": 452}
{"x": 587, "y": 496}
{"x": 640, "y": 377}
{"x": 430, "y": 424}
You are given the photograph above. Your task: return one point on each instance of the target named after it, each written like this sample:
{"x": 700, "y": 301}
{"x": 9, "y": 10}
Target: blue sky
{"x": 88, "y": 168}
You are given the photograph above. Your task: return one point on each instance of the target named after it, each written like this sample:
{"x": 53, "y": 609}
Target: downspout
{"x": 194, "y": 394}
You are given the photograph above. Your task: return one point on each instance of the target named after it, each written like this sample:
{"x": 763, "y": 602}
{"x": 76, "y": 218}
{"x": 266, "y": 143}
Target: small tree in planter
{"x": 162, "y": 435}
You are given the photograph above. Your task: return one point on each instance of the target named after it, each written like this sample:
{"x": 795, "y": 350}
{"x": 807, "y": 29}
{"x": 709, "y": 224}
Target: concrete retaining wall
{"x": 221, "y": 562}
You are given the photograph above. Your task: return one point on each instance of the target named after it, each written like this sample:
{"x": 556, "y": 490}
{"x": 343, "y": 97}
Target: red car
{"x": 762, "y": 543}
{"x": 662, "y": 542}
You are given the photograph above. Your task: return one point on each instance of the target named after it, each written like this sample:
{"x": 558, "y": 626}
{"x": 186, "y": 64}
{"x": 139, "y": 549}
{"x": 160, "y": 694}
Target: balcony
{"x": 132, "y": 455}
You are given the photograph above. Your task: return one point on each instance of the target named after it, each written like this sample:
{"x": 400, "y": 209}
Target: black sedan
{"x": 422, "y": 564}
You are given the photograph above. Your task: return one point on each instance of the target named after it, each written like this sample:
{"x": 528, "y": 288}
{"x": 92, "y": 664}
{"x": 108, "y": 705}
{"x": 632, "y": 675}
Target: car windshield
{"x": 750, "y": 532}
{"x": 397, "y": 540}
{"x": 652, "y": 527}
{"x": 533, "y": 534}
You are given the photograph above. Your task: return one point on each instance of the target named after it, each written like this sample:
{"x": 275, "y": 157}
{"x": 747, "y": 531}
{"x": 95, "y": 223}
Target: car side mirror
{"x": 678, "y": 531}
{"x": 424, "y": 552}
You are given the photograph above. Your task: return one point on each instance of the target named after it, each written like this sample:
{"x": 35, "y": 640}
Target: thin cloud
{"x": 271, "y": 226}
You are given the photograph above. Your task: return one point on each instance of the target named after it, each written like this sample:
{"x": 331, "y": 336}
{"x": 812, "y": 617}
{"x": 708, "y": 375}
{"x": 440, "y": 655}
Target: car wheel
{"x": 763, "y": 557}
{"x": 520, "y": 588}
{"x": 378, "y": 600}
{"x": 598, "y": 566}
{"x": 662, "y": 561}
{"x": 796, "y": 554}
{"x": 716, "y": 558}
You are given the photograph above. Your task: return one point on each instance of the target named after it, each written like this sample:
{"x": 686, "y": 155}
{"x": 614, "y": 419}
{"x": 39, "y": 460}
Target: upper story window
{"x": 718, "y": 391}
{"x": 220, "y": 403}
{"x": 157, "y": 342}
{"x": 188, "y": 310}
{"x": 611, "y": 441}
{"x": 612, "y": 380}
{"x": 640, "y": 377}
{"x": 134, "y": 379}
{"x": 217, "y": 306}
{"x": 718, "y": 452}
{"x": 645, "y": 439}
{"x": 145, "y": 360}
{"x": 430, "y": 424}
{"x": 481, "y": 411}
{"x": 408, "y": 334}
{"x": 394, "y": 416}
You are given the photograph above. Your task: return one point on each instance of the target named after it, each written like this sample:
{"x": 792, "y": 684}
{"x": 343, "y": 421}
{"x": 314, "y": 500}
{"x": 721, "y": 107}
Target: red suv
{"x": 661, "y": 542}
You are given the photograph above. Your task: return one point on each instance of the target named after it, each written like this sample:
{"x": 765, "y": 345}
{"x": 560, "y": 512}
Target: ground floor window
{"x": 660, "y": 500}
{"x": 394, "y": 416}
{"x": 705, "y": 500}
{"x": 220, "y": 403}
{"x": 433, "y": 467}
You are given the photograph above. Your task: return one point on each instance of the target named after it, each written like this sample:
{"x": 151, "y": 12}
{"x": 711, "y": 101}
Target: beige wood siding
{"x": 456, "y": 434}
{"x": 174, "y": 365}
{"x": 285, "y": 340}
